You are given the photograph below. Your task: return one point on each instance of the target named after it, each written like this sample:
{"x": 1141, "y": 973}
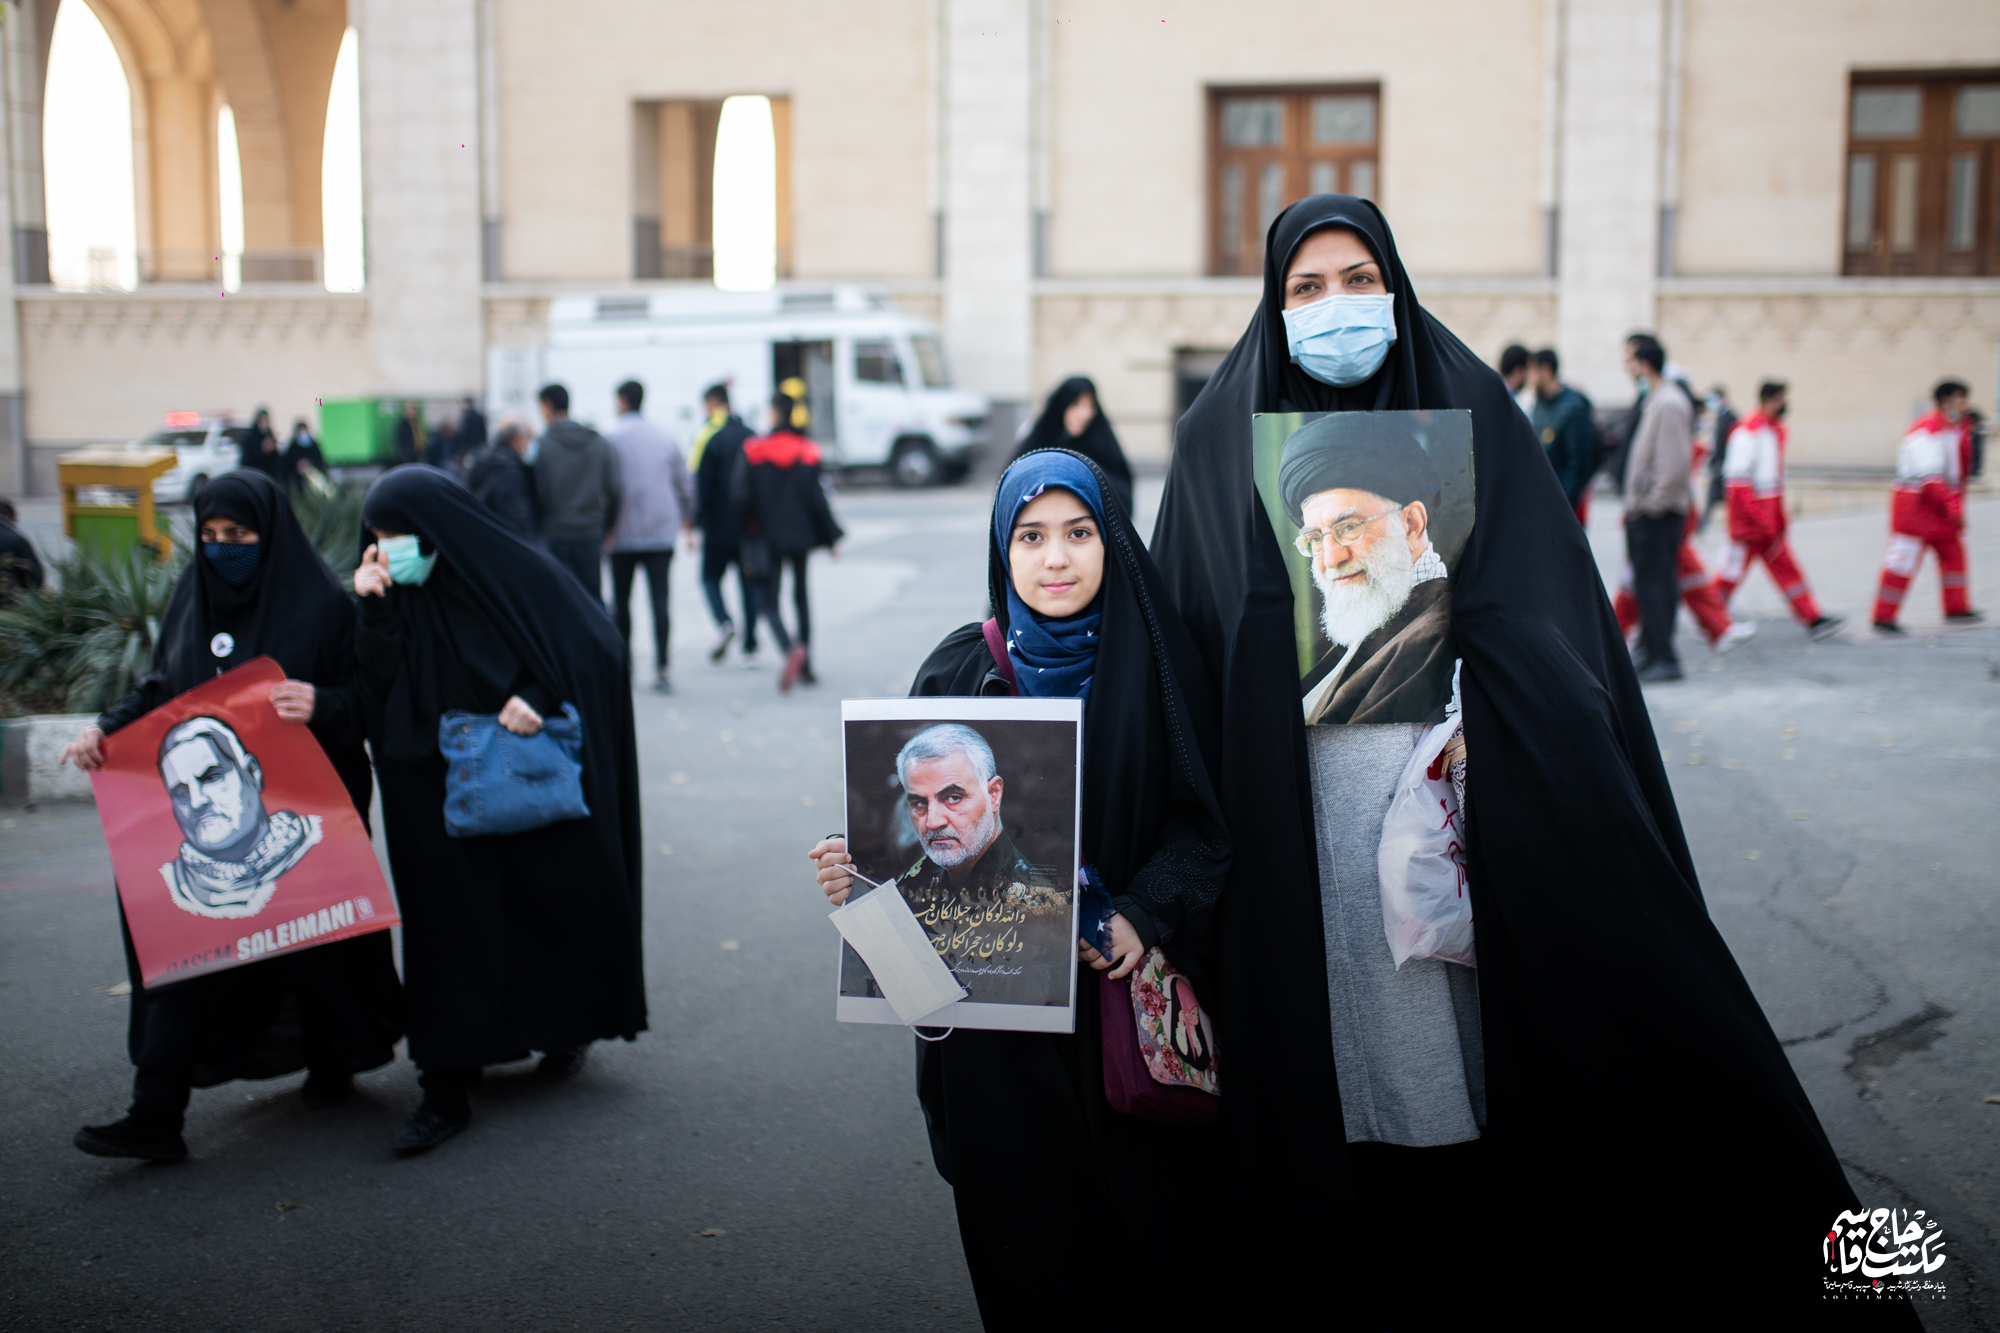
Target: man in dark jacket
{"x": 500, "y": 478}
{"x": 578, "y": 488}
{"x": 471, "y": 428}
{"x": 785, "y": 516}
{"x": 717, "y": 447}
{"x": 1562, "y": 421}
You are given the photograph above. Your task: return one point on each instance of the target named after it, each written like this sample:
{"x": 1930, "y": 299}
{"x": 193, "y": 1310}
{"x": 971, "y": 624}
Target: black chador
{"x": 1630, "y": 1076}
{"x": 335, "y": 1008}
{"x": 1041, "y": 1167}
{"x": 519, "y": 942}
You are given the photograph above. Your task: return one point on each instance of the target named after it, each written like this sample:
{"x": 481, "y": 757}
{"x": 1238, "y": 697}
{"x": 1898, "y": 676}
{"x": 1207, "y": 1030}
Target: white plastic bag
{"x": 1426, "y": 910}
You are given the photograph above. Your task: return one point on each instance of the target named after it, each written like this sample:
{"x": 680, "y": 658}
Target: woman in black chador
{"x": 257, "y": 588}
{"x": 517, "y": 942}
{"x": 1613, "y": 1075}
{"x": 1073, "y": 418}
{"x": 1043, "y": 1170}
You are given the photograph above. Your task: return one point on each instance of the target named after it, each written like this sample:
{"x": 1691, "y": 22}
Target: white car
{"x": 204, "y": 451}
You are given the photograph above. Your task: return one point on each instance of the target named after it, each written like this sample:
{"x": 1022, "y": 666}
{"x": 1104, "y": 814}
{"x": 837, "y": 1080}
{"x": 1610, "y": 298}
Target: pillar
{"x": 987, "y": 197}
{"x": 420, "y": 187}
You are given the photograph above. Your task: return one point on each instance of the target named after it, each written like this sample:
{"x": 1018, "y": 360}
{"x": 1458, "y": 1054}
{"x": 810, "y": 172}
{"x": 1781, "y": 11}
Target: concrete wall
{"x": 111, "y": 366}
{"x": 858, "y": 76}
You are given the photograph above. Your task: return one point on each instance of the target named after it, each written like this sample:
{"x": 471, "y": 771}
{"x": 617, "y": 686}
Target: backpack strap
{"x": 998, "y": 647}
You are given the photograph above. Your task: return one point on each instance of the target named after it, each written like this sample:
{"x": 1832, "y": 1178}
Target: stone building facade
{"x": 1053, "y": 184}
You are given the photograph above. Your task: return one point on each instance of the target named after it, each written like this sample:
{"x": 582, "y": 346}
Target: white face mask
{"x": 1342, "y": 340}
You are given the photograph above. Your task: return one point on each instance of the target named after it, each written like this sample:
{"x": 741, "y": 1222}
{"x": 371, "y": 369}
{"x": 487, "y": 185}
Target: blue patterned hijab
{"x": 1053, "y": 659}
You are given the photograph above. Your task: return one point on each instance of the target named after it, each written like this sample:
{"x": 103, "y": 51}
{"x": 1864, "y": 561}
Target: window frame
{"x": 1933, "y": 155}
{"x": 1295, "y": 155}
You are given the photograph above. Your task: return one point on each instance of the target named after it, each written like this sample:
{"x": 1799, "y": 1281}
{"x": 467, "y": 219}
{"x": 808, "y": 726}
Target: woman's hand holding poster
{"x": 231, "y": 835}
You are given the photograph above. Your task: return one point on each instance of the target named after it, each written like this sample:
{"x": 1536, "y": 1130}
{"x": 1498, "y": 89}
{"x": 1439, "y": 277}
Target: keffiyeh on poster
{"x": 970, "y": 808}
{"x": 1372, "y": 511}
{"x": 231, "y": 835}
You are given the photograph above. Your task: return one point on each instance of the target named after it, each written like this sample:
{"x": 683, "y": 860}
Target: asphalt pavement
{"x": 749, "y": 1161}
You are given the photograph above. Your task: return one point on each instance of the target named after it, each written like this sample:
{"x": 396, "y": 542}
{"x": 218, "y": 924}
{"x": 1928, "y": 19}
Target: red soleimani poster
{"x": 232, "y": 837}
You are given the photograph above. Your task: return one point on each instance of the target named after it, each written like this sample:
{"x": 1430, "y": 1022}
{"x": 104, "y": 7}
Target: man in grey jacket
{"x": 579, "y": 488}
{"x": 657, "y": 510}
{"x": 1657, "y": 496}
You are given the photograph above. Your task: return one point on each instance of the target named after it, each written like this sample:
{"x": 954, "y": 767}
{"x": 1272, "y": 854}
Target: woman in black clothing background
{"x": 1073, "y": 418}
{"x": 518, "y": 942}
{"x": 257, "y": 588}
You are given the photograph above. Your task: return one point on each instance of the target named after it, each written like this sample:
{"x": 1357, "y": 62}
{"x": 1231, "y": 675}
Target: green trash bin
{"x": 356, "y": 432}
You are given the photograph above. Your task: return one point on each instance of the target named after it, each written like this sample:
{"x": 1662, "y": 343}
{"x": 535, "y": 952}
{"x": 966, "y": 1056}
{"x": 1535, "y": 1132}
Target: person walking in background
{"x": 260, "y": 449}
{"x": 499, "y": 477}
{"x": 1073, "y": 419}
{"x": 578, "y": 490}
{"x": 658, "y": 507}
{"x": 442, "y": 446}
{"x": 1514, "y": 374}
{"x": 410, "y": 434}
{"x": 785, "y": 516}
{"x": 303, "y": 456}
{"x": 1754, "y": 470}
{"x": 1562, "y": 421}
{"x": 1928, "y": 509}
{"x": 471, "y": 437}
{"x": 512, "y": 942}
{"x": 1657, "y": 501}
{"x": 715, "y": 455}
{"x": 1721, "y": 423}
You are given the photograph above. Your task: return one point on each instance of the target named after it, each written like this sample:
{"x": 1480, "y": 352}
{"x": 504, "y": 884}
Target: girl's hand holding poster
{"x": 231, "y": 834}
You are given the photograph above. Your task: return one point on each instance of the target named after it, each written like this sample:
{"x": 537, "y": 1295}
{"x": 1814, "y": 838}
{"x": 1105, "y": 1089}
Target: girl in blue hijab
{"x": 1077, "y": 614}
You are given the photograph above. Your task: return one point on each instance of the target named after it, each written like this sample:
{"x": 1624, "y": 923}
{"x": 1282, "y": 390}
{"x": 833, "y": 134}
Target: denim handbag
{"x": 498, "y": 782}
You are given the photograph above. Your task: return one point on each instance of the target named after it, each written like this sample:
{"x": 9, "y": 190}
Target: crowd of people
{"x": 1675, "y": 457}
{"x": 1361, "y": 1107}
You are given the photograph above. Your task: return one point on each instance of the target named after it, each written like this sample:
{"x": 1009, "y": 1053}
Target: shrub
{"x": 78, "y": 644}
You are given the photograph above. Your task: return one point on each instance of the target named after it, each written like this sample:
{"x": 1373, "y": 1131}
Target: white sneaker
{"x": 751, "y": 663}
{"x": 1735, "y": 634}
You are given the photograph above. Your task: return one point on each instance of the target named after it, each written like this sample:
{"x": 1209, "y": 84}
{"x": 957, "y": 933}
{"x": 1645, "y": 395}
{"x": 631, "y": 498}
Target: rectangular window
{"x": 1272, "y": 146}
{"x": 875, "y": 362}
{"x": 1923, "y": 160}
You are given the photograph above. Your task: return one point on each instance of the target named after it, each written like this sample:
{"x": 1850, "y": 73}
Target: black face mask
{"x": 1779, "y": 413}
{"x": 236, "y": 562}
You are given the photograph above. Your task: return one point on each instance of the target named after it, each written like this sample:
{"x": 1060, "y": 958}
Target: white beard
{"x": 977, "y": 841}
{"x": 1352, "y": 612}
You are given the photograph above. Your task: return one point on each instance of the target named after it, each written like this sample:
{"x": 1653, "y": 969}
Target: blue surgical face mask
{"x": 235, "y": 561}
{"x": 408, "y": 565}
{"x": 534, "y": 448}
{"x": 1341, "y": 340}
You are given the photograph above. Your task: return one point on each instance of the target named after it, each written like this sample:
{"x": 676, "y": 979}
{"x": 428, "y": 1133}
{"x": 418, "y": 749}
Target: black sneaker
{"x": 1824, "y": 628}
{"x": 1659, "y": 672}
{"x": 806, "y": 676}
{"x": 1965, "y": 617}
{"x": 1887, "y": 627}
{"x": 426, "y": 1129}
{"x": 326, "y": 1088}
{"x": 130, "y": 1138}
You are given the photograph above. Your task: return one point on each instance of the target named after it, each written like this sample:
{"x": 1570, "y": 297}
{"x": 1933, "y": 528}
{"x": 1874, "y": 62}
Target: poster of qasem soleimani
{"x": 1372, "y": 511}
{"x": 971, "y": 808}
{"x": 231, "y": 835}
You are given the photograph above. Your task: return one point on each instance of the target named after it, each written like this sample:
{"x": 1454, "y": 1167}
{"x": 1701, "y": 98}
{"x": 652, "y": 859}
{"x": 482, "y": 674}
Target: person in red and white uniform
{"x": 1753, "y": 473}
{"x": 1928, "y": 509}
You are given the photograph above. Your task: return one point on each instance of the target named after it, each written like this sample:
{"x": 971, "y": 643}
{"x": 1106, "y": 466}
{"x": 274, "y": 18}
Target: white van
{"x": 877, "y": 391}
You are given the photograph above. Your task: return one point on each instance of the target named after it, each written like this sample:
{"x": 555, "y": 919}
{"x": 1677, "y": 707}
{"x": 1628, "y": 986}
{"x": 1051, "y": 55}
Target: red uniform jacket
{"x": 1753, "y": 473}
{"x": 1931, "y": 466}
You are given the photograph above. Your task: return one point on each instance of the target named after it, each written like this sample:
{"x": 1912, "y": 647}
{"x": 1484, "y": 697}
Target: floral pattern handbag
{"x": 1159, "y": 1063}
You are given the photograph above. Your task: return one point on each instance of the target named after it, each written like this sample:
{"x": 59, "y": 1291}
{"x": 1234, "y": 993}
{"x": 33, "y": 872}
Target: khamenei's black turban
{"x": 1360, "y": 451}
